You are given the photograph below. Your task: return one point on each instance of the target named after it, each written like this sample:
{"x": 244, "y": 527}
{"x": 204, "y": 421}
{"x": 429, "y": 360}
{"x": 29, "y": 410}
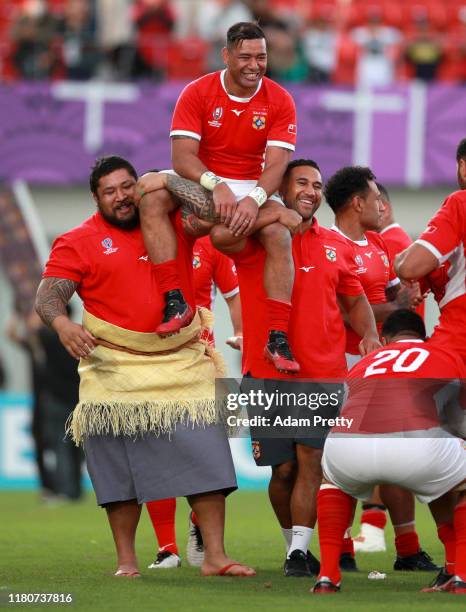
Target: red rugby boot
{"x": 177, "y": 314}
{"x": 278, "y": 352}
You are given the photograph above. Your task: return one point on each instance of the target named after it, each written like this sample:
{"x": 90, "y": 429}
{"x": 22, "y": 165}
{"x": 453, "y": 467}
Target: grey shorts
{"x": 192, "y": 460}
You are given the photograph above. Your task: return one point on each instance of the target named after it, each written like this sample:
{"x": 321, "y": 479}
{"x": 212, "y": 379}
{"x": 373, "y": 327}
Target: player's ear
{"x": 384, "y": 341}
{"x": 356, "y": 203}
{"x": 225, "y": 55}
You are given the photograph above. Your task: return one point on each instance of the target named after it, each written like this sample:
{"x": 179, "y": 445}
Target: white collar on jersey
{"x": 235, "y": 98}
{"x": 385, "y": 229}
{"x": 363, "y": 242}
{"x": 410, "y": 340}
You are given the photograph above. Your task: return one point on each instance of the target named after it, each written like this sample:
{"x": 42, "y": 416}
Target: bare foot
{"x": 127, "y": 571}
{"x": 227, "y": 568}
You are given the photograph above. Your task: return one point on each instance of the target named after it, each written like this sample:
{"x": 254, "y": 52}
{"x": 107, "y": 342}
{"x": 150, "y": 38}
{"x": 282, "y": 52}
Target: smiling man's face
{"x": 115, "y": 199}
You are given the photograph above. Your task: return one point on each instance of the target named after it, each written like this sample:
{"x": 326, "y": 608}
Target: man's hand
{"x": 236, "y": 342}
{"x": 244, "y": 217}
{"x": 77, "y": 340}
{"x": 225, "y": 202}
{"x": 368, "y": 344}
{"x": 151, "y": 181}
{"x": 409, "y": 296}
{"x": 290, "y": 219}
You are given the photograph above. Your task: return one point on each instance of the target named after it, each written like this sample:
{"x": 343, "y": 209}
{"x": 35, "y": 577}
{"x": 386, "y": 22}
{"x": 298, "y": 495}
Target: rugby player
{"x": 415, "y": 443}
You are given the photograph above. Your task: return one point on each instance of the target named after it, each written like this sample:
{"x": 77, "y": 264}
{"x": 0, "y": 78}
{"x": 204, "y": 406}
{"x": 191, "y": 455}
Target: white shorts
{"x": 429, "y": 467}
{"x": 239, "y": 187}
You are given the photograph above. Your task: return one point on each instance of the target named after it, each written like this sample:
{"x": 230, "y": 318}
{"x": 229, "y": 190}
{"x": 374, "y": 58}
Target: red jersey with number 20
{"x": 445, "y": 237}
{"x": 401, "y": 387}
{"x": 234, "y": 132}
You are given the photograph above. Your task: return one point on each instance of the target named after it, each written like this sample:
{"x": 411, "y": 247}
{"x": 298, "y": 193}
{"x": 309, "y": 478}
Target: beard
{"x": 124, "y": 224}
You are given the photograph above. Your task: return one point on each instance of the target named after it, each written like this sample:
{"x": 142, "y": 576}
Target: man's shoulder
{"x": 87, "y": 228}
{"x": 333, "y": 238}
{"x": 457, "y": 199}
{"x": 374, "y": 238}
{"x": 275, "y": 91}
{"x": 204, "y": 84}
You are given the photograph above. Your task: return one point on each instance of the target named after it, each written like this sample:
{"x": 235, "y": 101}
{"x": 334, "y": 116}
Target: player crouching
{"x": 416, "y": 444}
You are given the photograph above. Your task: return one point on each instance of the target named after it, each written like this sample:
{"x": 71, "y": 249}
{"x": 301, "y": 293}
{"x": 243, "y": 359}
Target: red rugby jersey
{"x": 375, "y": 271}
{"x": 116, "y": 280}
{"x": 401, "y": 387}
{"x": 324, "y": 267}
{"x": 212, "y": 270}
{"x": 397, "y": 240}
{"x": 234, "y": 132}
{"x": 445, "y": 237}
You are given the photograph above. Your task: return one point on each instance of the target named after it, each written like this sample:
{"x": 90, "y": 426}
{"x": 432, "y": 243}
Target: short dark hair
{"x": 244, "y": 30}
{"x": 297, "y": 163}
{"x": 346, "y": 183}
{"x": 461, "y": 150}
{"x": 383, "y": 190}
{"x": 404, "y": 320}
{"x": 105, "y": 165}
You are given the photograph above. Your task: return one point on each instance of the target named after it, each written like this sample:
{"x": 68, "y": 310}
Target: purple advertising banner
{"x": 51, "y": 133}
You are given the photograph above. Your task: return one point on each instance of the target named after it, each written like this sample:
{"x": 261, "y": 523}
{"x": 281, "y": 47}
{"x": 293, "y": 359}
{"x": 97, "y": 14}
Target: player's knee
{"x": 275, "y": 235}
{"x": 157, "y": 203}
{"x": 285, "y": 472}
{"x": 222, "y": 239}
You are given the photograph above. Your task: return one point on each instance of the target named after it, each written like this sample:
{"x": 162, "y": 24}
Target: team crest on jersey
{"x": 384, "y": 258}
{"x": 331, "y": 254}
{"x": 258, "y": 122}
{"x": 107, "y": 244}
{"x": 196, "y": 262}
{"x": 358, "y": 260}
{"x": 256, "y": 449}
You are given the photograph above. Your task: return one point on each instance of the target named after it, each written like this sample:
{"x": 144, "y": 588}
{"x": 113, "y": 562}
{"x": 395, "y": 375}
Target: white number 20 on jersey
{"x": 398, "y": 361}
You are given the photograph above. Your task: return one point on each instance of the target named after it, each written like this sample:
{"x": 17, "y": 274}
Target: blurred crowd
{"x": 342, "y": 41}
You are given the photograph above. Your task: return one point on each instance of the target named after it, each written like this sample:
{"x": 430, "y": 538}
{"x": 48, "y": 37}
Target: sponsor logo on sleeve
{"x": 292, "y": 128}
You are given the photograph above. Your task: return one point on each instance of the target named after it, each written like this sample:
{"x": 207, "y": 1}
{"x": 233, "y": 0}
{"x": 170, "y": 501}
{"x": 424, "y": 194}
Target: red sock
{"x": 334, "y": 512}
{"x": 348, "y": 544}
{"x": 167, "y": 275}
{"x": 375, "y": 517}
{"x": 407, "y": 544}
{"x": 459, "y": 523}
{"x": 162, "y": 516}
{"x": 278, "y": 314}
{"x": 446, "y": 535}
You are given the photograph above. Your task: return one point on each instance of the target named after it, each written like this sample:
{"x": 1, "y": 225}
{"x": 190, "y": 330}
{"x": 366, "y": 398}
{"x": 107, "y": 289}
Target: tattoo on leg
{"x": 194, "y": 197}
{"x": 53, "y": 295}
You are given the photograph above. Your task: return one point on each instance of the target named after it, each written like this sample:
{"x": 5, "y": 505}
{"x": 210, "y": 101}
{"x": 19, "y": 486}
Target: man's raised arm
{"x": 52, "y": 297}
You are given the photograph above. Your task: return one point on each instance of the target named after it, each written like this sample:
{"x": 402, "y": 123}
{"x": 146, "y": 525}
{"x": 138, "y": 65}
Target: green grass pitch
{"x": 68, "y": 549}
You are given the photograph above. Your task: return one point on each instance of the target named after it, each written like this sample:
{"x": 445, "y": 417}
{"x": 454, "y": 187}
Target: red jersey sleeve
{"x": 187, "y": 117}
{"x": 282, "y": 132}
{"x": 65, "y": 261}
{"x": 392, "y": 277}
{"x": 225, "y": 276}
{"x": 444, "y": 232}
